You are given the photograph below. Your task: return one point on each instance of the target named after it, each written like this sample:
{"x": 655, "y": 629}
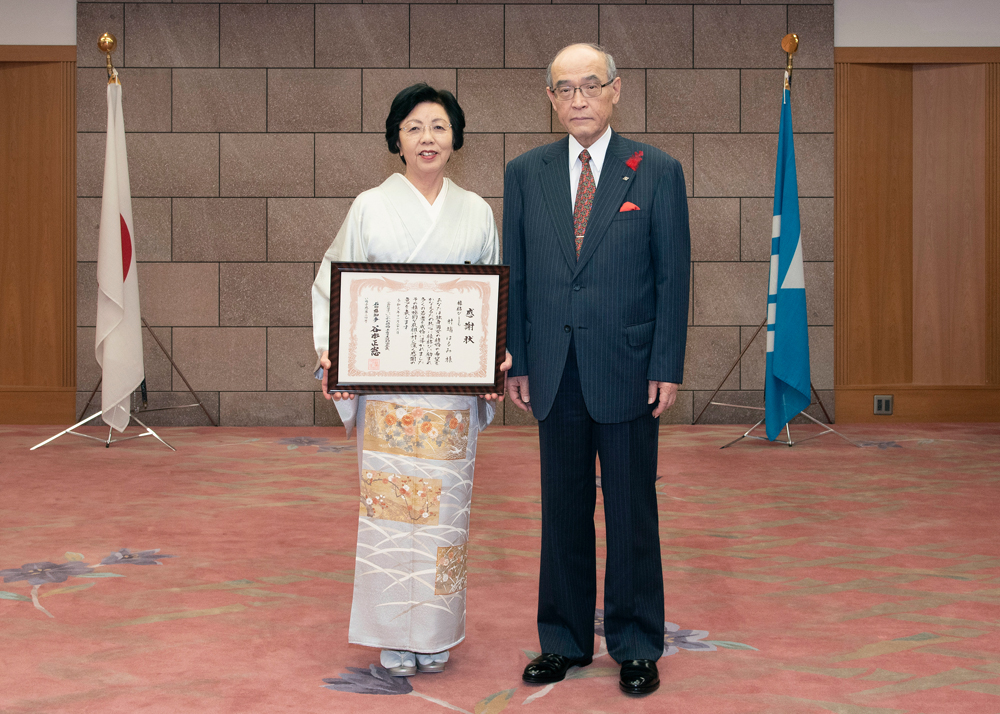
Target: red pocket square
{"x": 628, "y": 206}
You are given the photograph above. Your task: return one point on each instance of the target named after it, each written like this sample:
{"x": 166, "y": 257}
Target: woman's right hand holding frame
{"x": 325, "y": 363}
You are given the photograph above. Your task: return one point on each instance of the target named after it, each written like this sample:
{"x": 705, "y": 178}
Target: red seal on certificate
{"x": 373, "y": 363}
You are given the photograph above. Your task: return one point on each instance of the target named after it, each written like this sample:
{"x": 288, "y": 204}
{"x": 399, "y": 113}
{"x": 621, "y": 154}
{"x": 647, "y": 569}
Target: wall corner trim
{"x": 916, "y": 55}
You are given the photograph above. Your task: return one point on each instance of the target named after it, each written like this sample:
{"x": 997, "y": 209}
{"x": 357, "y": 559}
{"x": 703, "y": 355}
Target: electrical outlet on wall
{"x": 883, "y": 404}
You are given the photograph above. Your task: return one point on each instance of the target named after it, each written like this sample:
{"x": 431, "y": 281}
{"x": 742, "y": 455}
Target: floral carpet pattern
{"x": 38, "y": 574}
{"x": 822, "y": 578}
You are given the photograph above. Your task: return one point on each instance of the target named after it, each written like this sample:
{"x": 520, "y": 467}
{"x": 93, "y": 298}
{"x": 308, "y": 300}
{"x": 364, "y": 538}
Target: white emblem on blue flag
{"x": 795, "y": 276}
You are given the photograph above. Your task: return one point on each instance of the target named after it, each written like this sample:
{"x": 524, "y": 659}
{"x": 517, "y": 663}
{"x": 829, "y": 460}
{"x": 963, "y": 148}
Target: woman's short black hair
{"x": 409, "y": 98}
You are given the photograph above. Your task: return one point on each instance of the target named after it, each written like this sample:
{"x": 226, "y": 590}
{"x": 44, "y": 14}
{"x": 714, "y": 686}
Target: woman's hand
{"x": 325, "y": 363}
{"x": 507, "y": 364}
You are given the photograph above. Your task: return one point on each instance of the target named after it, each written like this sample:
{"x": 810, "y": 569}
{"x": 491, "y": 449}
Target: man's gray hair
{"x": 609, "y": 60}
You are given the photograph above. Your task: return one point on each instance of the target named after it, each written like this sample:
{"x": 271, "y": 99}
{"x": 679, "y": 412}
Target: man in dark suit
{"x": 595, "y": 231}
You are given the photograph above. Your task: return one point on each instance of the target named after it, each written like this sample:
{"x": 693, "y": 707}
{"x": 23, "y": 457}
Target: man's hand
{"x": 325, "y": 363}
{"x": 507, "y": 364}
{"x": 517, "y": 388}
{"x": 666, "y": 392}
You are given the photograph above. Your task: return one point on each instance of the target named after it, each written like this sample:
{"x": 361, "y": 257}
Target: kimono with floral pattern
{"x": 416, "y": 453}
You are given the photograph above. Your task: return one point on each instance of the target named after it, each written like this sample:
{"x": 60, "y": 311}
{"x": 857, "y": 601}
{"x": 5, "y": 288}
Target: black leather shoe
{"x": 549, "y": 668}
{"x": 639, "y": 676}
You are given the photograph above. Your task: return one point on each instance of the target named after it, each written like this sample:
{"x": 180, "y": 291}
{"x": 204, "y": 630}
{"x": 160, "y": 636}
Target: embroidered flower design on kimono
{"x": 395, "y": 497}
{"x": 415, "y": 431}
{"x": 451, "y": 569}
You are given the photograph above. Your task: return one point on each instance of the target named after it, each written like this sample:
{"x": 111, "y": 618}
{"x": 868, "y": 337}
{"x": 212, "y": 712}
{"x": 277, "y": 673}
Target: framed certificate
{"x": 408, "y": 328}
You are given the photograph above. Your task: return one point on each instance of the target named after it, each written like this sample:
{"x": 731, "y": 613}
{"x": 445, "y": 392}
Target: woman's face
{"x": 425, "y": 138}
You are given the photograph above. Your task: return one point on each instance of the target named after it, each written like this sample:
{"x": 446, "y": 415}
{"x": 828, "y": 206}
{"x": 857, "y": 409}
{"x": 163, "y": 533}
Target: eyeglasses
{"x": 414, "y": 129}
{"x": 590, "y": 89}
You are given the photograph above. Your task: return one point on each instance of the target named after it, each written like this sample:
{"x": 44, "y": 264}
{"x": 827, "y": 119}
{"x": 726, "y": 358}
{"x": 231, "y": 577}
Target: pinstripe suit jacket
{"x": 625, "y": 301}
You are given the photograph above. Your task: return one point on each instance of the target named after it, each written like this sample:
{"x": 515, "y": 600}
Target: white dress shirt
{"x": 597, "y": 153}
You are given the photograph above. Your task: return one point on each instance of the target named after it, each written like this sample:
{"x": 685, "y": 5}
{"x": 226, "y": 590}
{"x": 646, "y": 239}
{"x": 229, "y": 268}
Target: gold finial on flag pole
{"x": 106, "y": 44}
{"x": 790, "y": 44}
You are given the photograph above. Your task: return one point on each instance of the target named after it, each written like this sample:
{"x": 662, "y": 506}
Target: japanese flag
{"x": 119, "y": 328}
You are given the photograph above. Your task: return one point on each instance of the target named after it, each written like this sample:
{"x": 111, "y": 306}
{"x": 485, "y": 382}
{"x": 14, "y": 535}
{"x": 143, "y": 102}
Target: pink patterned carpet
{"x": 822, "y": 578}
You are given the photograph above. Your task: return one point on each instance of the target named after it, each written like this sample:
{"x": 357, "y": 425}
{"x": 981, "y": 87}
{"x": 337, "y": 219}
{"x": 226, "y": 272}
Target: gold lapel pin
{"x": 624, "y": 178}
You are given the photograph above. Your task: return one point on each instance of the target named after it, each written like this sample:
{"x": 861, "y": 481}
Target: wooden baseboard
{"x": 916, "y": 403}
{"x": 38, "y": 405}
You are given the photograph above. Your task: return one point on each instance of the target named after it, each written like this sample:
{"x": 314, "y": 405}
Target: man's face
{"x": 586, "y": 118}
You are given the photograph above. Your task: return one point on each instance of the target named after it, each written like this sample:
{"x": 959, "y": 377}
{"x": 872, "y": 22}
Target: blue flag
{"x": 786, "y": 380}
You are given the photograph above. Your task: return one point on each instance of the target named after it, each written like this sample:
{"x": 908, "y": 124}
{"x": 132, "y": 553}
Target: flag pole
{"x": 107, "y": 43}
{"x": 790, "y": 45}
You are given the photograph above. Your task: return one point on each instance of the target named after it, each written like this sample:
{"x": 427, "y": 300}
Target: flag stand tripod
{"x": 109, "y": 441}
{"x": 134, "y": 411}
{"x": 747, "y": 435}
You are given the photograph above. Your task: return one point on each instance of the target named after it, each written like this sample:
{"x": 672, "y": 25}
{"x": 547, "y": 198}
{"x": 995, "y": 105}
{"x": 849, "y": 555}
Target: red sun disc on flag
{"x": 126, "y": 249}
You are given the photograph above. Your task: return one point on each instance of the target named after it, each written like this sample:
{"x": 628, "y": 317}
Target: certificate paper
{"x": 418, "y": 328}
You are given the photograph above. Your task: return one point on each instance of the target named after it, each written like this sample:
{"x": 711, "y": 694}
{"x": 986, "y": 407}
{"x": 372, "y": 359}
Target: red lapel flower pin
{"x": 633, "y": 163}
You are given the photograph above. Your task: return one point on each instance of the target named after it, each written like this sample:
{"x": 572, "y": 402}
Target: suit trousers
{"x": 569, "y": 440}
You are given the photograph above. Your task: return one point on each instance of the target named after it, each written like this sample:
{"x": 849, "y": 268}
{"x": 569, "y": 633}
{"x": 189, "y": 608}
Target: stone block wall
{"x": 251, "y": 127}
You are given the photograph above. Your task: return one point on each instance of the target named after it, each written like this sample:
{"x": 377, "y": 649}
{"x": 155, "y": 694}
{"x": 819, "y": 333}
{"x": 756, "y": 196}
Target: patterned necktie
{"x": 584, "y": 200}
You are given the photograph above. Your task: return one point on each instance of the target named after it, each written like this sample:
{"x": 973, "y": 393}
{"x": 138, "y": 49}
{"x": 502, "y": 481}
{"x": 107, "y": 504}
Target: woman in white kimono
{"x": 410, "y": 572}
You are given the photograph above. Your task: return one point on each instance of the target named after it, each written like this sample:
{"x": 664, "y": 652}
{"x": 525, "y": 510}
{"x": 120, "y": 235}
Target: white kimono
{"x": 416, "y": 452}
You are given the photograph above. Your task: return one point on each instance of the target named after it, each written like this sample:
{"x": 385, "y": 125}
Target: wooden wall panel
{"x": 841, "y": 284}
{"x": 68, "y": 139}
{"x": 938, "y": 246}
{"x": 38, "y": 405}
{"x": 38, "y": 239}
{"x": 949, "y": 230}
{"x": 875, "y": 214}
{"x": 993, "y": 224}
